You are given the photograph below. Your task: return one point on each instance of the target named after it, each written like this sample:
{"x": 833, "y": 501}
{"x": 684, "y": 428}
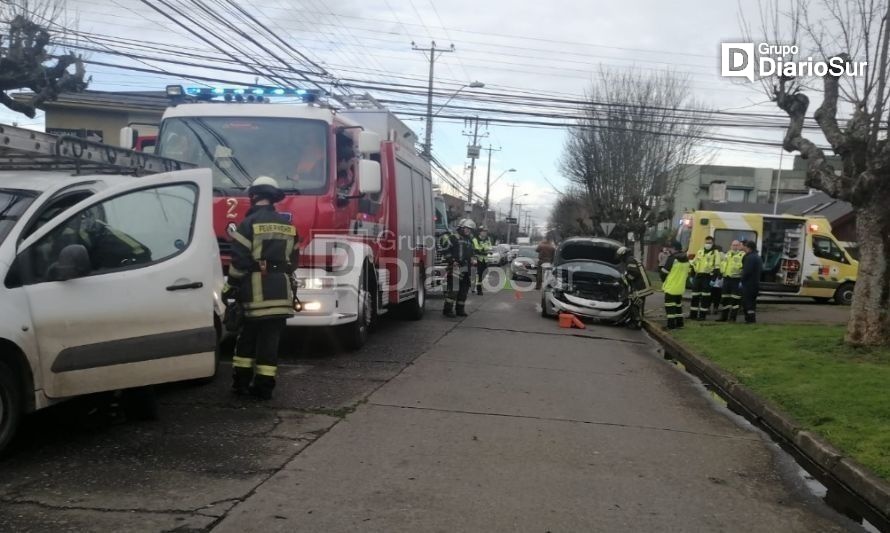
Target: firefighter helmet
{"x": 266, "y": 187}
{"x": 466, "y": 223}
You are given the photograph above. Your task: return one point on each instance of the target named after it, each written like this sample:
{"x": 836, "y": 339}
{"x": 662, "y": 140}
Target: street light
{"x": 489, "y": 183}
{"x": 502, "y": 175}
{"x": 471, "y": 85}
{"x": 509, "y": 216}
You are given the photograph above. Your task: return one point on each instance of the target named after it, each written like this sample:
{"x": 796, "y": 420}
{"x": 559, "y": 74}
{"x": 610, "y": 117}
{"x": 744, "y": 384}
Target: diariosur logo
{"x": 762, "y": 60}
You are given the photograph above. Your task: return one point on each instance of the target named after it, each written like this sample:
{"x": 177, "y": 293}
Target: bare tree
{"x": 570, "y": 216}
{"x": 635, "y": 131}
{"x": 26, "y": 58}
{"x": 848, "y": 31}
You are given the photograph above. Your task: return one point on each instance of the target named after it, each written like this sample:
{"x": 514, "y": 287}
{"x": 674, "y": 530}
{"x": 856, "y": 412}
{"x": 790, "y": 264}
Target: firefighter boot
{"x": 262, "y": 387}
{"x": 733, "y": 315}
{"x": 479, "y": 290}
{"x": 679, "y": 323}
{"x": 461, "y": 311}
{"x": 448, "y": 310}
{"x": 241, "y": 380}
{"x": 750, "y": 317}
{"x": 672, "y": 323}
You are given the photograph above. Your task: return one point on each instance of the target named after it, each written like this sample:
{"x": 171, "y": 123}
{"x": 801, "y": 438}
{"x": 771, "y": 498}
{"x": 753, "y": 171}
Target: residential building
{"x": 100, "y": 115}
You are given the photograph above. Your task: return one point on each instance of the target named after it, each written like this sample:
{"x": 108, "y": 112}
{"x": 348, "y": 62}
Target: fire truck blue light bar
{"x": 211, "y": 92}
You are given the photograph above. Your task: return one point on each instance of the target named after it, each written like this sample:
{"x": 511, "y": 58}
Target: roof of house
{"x": 736, "y": 207}
{"x": 141, "y": 101}
{"x": 817, "y": 204}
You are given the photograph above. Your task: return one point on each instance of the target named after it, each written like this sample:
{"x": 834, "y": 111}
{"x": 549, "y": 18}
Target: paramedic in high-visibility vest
{"x": 706, "y": 265}
{"x": 731, "y": 268}
{"x": 674, "y": 274}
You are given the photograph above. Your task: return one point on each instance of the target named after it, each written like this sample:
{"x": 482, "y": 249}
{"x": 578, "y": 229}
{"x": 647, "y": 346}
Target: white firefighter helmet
{"x": 266, "y": 187}
{"x": 466, "y": 223}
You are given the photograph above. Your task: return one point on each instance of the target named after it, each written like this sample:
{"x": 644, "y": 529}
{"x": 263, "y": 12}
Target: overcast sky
{"x": 543, "y": 47}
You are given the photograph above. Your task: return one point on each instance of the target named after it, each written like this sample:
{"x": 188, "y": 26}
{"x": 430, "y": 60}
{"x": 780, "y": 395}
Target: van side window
{"x": 825, "y": 248}
{"x": 135, "y": 229}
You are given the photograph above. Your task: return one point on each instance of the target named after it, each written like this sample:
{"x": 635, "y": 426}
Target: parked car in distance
{"x": 110, "y": 283}
{"x": 511, "y": 254}
{"x": 493, "y": 258}
{"x": 504, "y": 250}
{"x": 525, "y": 265}
{"x": 591, "y": 279}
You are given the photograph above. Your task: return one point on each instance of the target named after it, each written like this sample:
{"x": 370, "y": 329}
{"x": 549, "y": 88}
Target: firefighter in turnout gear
{"x": 261, "y": 278}
{"x": 731, "y": 268}
{"x": 706, "y": 266}
{"x": 674, "y": 274}
{"x": 459, "y": 255}
{"x": 481, "y": 245}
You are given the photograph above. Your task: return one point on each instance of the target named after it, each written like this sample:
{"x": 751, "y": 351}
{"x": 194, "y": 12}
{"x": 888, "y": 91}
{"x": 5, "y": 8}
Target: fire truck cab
{"x": 356, "y": 190}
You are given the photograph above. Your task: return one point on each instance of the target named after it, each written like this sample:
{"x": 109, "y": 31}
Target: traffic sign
{"x": 512, "y": 220}
{"x": 607, "y": 227}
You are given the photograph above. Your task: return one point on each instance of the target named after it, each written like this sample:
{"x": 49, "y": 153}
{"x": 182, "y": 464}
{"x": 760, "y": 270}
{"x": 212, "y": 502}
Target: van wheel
{"x": 10, "y": 404}
{"x": 844, "y": 294}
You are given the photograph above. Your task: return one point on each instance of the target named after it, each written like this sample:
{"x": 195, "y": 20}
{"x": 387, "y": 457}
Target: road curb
{"x": 861, "y": 492}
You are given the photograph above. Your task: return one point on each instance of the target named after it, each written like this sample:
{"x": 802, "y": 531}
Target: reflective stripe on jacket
{"x": 263, "y": 261}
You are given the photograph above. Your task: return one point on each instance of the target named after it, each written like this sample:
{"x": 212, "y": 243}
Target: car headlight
{"x": 315, "y": 283}
{"x": 517, "y": 264}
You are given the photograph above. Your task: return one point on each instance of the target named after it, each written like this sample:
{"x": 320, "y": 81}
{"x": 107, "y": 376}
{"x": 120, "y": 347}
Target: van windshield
{"x": 241, "y": 149}
{"x": 13, "y": 203}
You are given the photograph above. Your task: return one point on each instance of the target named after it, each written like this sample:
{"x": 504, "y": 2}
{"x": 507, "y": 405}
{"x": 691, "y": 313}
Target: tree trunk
{"x": 870, "y": 315}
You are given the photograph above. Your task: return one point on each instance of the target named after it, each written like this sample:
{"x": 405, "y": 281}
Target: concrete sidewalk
{"x": 511, "y": 424}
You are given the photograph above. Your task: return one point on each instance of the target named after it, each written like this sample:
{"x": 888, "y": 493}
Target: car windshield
{"x": 13, "y": 203}
{"x": 240, "y": 149}
{"x": 527, "y": 251}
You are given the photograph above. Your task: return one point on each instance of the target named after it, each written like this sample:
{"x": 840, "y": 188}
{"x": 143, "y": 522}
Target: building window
{"x": 736, "y": 195}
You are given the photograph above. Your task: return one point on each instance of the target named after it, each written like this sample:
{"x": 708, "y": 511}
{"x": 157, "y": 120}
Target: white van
{"x": 109, "y": 283}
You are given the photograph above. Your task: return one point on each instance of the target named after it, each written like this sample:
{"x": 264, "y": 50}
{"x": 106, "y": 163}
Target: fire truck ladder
{"x": 23, "y": 149}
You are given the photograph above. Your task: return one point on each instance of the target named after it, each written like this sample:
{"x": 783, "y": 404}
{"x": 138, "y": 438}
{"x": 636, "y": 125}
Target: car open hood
{"x": 603, "y": 251}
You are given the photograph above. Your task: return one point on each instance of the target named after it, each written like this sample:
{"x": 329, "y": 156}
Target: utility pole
{"x": 488, "y": 179}
{"x": 473, "y": 154}
{"x": 428, "y": 144}
{"x": 510, "y": 214}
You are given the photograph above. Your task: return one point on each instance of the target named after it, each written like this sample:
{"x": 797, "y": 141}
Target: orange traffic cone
{"x": 565, "y": 320}
{"x": 576, "y": 323}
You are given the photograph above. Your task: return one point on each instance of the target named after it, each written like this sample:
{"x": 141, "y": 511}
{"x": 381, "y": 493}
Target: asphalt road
{"x": 499, "y": 422}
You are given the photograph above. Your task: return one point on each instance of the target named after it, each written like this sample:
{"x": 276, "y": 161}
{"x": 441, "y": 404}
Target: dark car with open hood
{"x": 598, "y": 279}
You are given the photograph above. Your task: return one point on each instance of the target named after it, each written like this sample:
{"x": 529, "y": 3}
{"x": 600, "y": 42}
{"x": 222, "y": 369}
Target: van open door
{"x": 121, "y": 286}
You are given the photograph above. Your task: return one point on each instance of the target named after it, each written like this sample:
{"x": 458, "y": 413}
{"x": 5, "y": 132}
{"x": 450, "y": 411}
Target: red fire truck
{"x": 357, "y": 191}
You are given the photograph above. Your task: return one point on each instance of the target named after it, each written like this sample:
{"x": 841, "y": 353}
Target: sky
{"x": 543, "y": 48}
